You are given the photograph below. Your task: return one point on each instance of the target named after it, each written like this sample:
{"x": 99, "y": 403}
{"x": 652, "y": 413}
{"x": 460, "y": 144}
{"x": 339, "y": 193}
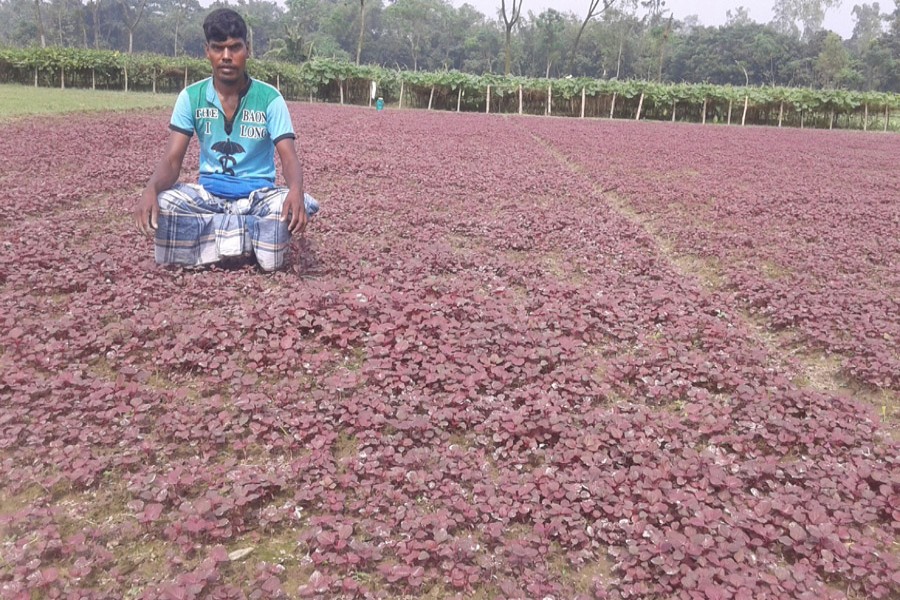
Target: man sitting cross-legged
{"x": 236, "y": 209}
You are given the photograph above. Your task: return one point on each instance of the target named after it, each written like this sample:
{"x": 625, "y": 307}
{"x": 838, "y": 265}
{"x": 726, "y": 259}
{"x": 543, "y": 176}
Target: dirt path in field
{"x": 816, "y": 371}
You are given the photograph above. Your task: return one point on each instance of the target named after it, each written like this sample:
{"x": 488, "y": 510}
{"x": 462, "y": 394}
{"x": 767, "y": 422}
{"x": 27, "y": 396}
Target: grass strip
{"x": 21, "y": 100}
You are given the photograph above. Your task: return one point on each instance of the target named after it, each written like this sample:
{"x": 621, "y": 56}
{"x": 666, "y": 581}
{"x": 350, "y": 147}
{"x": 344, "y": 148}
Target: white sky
{"x": 711, "y": 12}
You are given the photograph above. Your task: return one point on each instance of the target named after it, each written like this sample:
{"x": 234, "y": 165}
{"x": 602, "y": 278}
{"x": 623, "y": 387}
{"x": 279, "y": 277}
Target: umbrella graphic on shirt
{"x": 228, "y": 149}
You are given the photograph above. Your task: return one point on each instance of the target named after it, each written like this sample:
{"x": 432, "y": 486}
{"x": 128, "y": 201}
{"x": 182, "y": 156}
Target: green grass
{"x": 23, "y": 100}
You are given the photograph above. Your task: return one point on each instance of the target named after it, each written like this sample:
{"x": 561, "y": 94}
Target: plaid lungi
{"x": 198, "y": 228}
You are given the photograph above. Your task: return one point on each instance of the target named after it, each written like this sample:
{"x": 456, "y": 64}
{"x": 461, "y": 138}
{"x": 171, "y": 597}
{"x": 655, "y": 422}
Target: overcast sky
{"x": 711, "y": 12}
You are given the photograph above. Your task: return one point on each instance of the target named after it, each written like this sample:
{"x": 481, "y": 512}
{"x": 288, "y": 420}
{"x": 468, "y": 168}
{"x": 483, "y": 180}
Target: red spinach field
{"x": 512, "y": 358}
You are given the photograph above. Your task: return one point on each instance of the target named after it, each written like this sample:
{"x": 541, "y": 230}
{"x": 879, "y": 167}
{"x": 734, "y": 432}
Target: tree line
{"x": 608, "y": 40}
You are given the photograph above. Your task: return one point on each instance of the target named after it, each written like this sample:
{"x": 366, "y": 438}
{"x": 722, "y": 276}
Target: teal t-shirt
{"x": 236, "y": 157}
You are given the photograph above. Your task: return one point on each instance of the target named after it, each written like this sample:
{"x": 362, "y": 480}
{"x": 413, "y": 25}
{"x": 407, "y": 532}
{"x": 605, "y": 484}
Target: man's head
{"x": 226, "y": 46}
{"x": 224, "y": 23}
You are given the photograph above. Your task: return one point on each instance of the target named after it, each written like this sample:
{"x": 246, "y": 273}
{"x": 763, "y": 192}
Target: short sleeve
{"x": 279, "y": 120}
{"x": 182, "y": 115}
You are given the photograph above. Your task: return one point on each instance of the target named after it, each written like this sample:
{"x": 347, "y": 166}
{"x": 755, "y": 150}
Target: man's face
{"x": 228, "y": 59}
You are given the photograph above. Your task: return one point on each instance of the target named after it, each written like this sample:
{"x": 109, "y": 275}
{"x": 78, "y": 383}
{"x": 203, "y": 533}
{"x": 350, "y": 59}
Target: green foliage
{"x": 22, "y": 65}
{"x": 320, "y": 76}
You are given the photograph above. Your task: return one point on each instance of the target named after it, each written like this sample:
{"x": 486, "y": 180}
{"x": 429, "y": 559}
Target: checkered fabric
{"x": 197, "y": 228}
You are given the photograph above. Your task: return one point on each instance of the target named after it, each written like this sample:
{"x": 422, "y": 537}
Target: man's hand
{"x": 146, "y": 213}
{"x": 294, "y": 211}
{"x": 146, "y": 210}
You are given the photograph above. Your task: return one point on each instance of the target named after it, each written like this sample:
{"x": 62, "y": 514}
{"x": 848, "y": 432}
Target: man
{"x": 240, "y": 122}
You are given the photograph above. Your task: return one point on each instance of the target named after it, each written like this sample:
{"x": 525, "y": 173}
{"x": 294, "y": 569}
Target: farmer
{"x": 240, "y": 122}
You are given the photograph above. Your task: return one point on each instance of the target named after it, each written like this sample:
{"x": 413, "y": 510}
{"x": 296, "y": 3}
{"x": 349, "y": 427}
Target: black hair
{"x": 224, "y": 23}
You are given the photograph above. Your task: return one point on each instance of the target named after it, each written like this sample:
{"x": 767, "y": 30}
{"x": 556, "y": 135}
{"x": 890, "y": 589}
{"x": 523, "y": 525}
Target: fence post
{"x": 550, "y": 99}
{"x": 520, "y": 97}
{"x": 487, "y": 104}
{"x": 582, "y": 102}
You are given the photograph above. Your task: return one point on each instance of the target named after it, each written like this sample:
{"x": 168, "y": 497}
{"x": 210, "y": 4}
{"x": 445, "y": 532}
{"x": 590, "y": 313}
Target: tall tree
{"x": 879, "y": 68}
{"x": 832, "y": 61}
{"x": 132, "y": 16}
{"x": 170, "y": 24}
{"x": 791, "y": 15}
{"x": 624, "y": 23}
{"x": 17, "y": 23}
{"x": 595, "y": 9}
{"x": 263, "y": 18}
{"x": 476, "y": 42}
{"x": 295, "y": 37}
{"x": 416, "y": 25}
{"x": 720, "y": 55}
{"x": 40, "y": 23}
{"x": 509, "y": 21}
{"x": 871, "y": 43}
{"x": 738, "y": 16}
{"x": 666, "y": 32}
{"x": 868, "y": 27}
{"x": 654, "y": 36}
{"x": 325, "y": 28}
{"x": 550, "y": 26}
{"x": 60, "y": 8}
{"x": 94, "y": 7}
{"x": 362, "y": 29}
{"x": 291, "y": 46}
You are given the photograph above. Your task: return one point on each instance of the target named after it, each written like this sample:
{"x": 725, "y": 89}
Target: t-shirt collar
{"x": 212, "y": 96}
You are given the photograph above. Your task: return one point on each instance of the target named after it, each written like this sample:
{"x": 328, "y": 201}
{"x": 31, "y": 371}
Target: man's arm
{"x": 294, "y": 209}
{"x": 146, "y": 210}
